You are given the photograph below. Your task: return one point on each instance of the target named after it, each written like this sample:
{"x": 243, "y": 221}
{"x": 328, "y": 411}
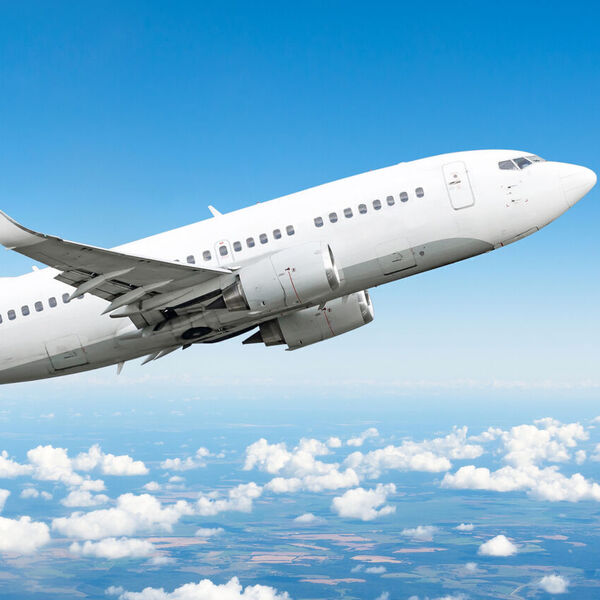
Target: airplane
{"x": 292, "y": 271}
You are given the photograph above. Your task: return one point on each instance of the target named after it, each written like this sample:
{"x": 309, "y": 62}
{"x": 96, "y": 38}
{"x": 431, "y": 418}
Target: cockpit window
{"x": 507, "y": 165}
{"x": 522, "y": 162}
{"x": 534, "y": 158}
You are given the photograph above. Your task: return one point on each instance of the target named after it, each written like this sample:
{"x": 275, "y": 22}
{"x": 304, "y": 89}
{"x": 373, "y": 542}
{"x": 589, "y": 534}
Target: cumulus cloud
{"x": 22, "y": 536}
{"x": 421, "y": 533}
{"x": 113, "y": 548}
{"x": 178, "y": 464}
{"x": 465, "y": 527}
{"x": 204, "y": 590}
{"x": 299, "y": 468}
{"x": 53, "y": 464}
{"x": 554, "y": 584}
{"x": 430, "y": 455}
{"x": 207, "y": 532}
{"x": 239, "y": 499}
{"x": 375, "y": 570}
{"x": 308, "y": 519}
{"x": 10, "y": 468}
{"x": 83, "y": 498}
{"x": 498, "y": 546}
{"x": 131, "y": 514}
{"x": 543, "y": 483}
{"x": 152, "y": 486}
{"x": 365, "y": 435}
{"x": 334, "y": 442}
{"x": 109, "y": 464}
{"x": 364, "y": 504}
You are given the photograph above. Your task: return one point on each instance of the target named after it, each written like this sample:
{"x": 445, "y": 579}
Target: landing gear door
{"x": 458, "y": 185}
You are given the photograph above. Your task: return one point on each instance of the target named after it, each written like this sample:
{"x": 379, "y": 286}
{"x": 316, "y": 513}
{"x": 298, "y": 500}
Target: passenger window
{"x": 290, "y": 230}
{"x": 507, "y": 165}
{"x": 333, "y": 217}
{"x": 250, "y": 242}
{"x": 223, "y": 250}
{"x": 348, "y": 213}
{"x": 319, "y": 222}
{"x": 362, "y": 209}
{"x": 403, "y": 197}
{"x": 522, "y": 162}
{"x": 206, "y": 255}
{"x": 390, "y": 201}
{"x": 191, "y": 260}
{"x": 0, "y": 318}
{"x": 419, "y": 192}
{"x": 263, "y": 238}
{"x": 25, "y": 310}
{"x": 52, "y": 302}
{"x": 39, "y": 307}
{"x": 277, "y": 234}
{"x": 376, "y": 204}
{"x": 65, "y": 298}
{"x": 237, "y": 246}
{"x": 12, "y": 315}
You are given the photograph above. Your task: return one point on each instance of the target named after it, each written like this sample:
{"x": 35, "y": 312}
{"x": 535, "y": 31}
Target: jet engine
{"x": 315, "y": 324}
{"x": 296, "y": 275}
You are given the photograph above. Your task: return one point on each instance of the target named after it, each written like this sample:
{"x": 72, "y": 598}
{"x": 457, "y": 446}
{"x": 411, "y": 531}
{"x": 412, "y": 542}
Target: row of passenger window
{"x": 263, "y": 238}
{"x": 362, "y": 208}
{"x": 38, "y": 307}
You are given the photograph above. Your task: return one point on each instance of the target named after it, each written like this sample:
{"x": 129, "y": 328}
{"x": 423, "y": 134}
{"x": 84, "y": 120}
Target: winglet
{"x": 13, "y": 235}
{"x": 214, "y": 212}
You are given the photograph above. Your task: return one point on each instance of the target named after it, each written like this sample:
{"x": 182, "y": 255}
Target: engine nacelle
{"x": 316, "y": 324}
{"x": 297, "y": 275}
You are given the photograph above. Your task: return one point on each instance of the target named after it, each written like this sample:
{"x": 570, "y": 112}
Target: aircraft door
{"x": 223, "y": 252}
{"x": 458, "y": 185}
{"x": 66, "y": 352}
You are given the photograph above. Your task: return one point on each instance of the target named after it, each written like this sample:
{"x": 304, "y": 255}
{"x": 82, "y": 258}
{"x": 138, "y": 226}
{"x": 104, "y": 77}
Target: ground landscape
{"x": 121, "y": 502}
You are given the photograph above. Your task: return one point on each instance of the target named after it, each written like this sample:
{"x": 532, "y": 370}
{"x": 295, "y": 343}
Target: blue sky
{"x": 119, "y": 120}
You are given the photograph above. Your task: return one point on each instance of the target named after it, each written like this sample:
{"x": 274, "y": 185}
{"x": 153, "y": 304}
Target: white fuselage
{"x": 459, "y": 214}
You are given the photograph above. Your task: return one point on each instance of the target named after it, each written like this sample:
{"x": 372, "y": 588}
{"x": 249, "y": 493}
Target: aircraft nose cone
{"x": 576, "y": 181}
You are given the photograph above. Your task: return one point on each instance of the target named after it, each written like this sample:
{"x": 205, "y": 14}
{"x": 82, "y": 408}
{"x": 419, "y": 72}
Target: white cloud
{"x": 554, "y": 584}
{"x": 83, "y": 498}
{"x": 109, "y": 464}
{"x": 375, "y": 570}
{"x": 334, "y": 442}
{"x": 53, "y": 464}
{"x": 383, "y": 596}
{"x": 430, "y": 455}
{"x": 159, "y": 560}
{"x": 365, "y": 435}
{"x": 29, "y": 492}
{"x": 113, "y": 548}
{"x": 308, "y": 519}
{"x": 238, "y": 499}
{"x": 545, "y": 484}
{"x": 4, "y": 494}
{"x": 152, "y": 486}
{"x": 207, "y": 532}
{"x": 22, "y": 536}
{"x": 205, "y": 590}
{"x": 470, "y": 567}
{"x": 195, "y": 462}
{"x": 465, "y": 527}
{"x": 301, "y": 468}
{"x": 46, "y": 495}
{"x": 580, "y": 456}
{"x": 10, "y": 468}
{"x": 132, "y": 514}
{"x": 498, "y": 546}
{"x": 421, "y": 533}
{"x": 364, "y": 504}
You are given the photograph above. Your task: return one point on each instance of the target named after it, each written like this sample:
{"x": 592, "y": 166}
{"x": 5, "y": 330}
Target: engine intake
{"x": 315, "y": 324}
{"x": 293, "y": 276}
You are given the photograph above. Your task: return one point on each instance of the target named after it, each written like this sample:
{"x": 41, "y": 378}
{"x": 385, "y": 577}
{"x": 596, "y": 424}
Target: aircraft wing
{"x": 114, "y": 276}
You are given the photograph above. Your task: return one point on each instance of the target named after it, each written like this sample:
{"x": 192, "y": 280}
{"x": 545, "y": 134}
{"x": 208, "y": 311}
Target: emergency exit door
{"x": 458, "y": 185}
